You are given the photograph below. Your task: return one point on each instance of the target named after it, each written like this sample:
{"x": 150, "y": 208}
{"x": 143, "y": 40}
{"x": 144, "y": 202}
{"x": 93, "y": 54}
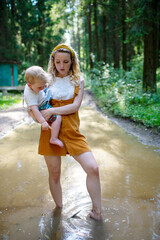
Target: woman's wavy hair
{"x": 74, "y": 71}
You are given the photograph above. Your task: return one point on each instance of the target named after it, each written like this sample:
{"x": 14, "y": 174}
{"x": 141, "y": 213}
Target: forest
{"x": 117, "y": 41}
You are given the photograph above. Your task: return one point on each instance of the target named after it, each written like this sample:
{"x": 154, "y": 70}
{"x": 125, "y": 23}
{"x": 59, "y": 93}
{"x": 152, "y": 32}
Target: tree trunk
{"x": 73, "y": 43}
{"x": 131, "y": 53}
{"x": 151, "y": 49}
{"x": 78, "y": 38}
{"x": 86, "y": 59}
{"x": 116, "y": 50}
{"x": 116, "y": 38}
{"x": 13, "y": 13}
{"x": 124, "y": 46}
{"x": 104, "y": 50}
{"x": 158, "y": 40}
{"x": 96, "y": 29}
{"x": 24, "y": 30}
{"x": 4, "y": 36}
{"x": 41, "y": 7}
{"x": 90, "y": 34}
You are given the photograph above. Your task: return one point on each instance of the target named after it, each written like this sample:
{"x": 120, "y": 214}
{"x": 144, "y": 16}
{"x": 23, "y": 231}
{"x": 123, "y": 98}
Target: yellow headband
{"x": 62, "y": 46}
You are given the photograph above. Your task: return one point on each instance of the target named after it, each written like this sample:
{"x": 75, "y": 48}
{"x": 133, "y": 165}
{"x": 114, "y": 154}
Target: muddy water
{"x": 130, "y": 182}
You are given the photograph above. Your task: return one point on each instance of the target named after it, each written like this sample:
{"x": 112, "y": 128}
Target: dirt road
{"x": 129, "y": 173}
{"x": 11, "y": 118}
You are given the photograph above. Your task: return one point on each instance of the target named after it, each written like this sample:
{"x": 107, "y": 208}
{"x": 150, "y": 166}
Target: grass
{"x": 9, "y": 100}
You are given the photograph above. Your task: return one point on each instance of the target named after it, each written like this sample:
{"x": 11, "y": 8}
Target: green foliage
{"x": 8, "y": 100}
{"x": 120, "y": 93}
{"x": 22, "y": 68}
{"x": 30, "y": 30}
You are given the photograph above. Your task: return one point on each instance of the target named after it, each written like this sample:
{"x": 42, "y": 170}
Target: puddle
{"x": 130, "y": 183}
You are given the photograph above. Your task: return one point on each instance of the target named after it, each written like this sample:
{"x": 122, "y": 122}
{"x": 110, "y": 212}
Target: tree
{"x": 104, "y": 41}
{"x": 96, "y": 29}
{"x": 41, "y": 30}
{"x": 115, "y": 25}
{"x": 90, "y": 33}
{"x": 29, "y": 31}
{"x": 3, "y": 29}
{"x": 124, "y": 32}
{"x": 150, "y": 46}
{"x": 78, "y": 37}
{"x": 8, "y": 41}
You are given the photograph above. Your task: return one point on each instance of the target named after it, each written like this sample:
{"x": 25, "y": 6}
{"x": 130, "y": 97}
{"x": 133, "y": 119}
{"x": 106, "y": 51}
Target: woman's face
{"x": 63, "y": 63}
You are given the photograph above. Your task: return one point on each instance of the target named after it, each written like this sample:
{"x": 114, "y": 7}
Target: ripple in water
{"x": 80, "y": 223}
{"x": 122, "y": 219}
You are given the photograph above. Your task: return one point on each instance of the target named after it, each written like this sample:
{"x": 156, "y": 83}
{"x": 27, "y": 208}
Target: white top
{"x": 62, "y": 88}
{"x": 35, "y": 98}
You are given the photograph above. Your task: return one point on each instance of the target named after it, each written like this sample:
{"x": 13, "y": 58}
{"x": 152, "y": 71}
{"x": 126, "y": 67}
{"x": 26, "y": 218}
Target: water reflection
{"x": 130, "y": 187}
{"x": 19, "y": 165}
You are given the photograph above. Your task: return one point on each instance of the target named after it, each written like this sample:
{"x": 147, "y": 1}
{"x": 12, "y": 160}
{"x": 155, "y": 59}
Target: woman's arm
{"x": 67, "y": 109}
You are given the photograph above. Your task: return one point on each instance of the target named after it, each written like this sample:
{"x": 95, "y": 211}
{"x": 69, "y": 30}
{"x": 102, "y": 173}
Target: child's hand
{"x": 45, "y": 126}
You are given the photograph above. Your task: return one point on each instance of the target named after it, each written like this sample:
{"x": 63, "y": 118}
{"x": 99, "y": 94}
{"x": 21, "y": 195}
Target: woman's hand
{"x": 69, "y": 108}
{"x": 47, "y": 113}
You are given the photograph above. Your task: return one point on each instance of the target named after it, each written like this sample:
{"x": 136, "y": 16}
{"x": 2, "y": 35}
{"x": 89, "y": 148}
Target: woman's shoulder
{"x": 81, "y": 77}
{"x": 81, "y": 82}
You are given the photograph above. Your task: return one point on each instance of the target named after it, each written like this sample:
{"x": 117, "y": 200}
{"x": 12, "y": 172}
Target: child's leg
{"x": 55, "y": 131}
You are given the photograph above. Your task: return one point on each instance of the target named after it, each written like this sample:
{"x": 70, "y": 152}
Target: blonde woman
{"x": 67, "y": 92}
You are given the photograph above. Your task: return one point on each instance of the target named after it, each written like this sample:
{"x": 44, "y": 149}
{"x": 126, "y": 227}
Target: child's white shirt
{"x": 33, "y": 98}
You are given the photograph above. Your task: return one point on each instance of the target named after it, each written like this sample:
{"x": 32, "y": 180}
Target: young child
{"x": 37, "y": 98}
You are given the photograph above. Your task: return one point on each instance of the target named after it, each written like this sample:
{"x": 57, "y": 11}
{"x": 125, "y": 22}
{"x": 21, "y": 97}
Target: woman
{"x": 67, "y": 92}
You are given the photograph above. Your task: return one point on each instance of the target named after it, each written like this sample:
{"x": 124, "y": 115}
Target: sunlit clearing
{"x": 67, "y": 38}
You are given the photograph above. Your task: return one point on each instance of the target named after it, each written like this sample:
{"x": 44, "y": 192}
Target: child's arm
{"x": 38, "y": 116}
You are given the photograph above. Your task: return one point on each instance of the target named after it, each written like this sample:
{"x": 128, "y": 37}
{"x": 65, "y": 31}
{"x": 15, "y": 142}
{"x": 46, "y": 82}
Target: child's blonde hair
{"x": 74, "y": 71}
{"x": 36, "y": 73}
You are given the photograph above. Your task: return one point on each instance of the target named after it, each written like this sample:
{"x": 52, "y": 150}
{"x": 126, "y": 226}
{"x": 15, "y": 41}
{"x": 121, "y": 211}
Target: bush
{"x": 121, "y": 93}
{"x": 21, "y": 70}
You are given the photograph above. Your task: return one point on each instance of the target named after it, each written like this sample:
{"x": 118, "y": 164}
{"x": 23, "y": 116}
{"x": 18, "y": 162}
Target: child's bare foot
{"x": 56, "y": 142}
{"x": 95, "y": 215}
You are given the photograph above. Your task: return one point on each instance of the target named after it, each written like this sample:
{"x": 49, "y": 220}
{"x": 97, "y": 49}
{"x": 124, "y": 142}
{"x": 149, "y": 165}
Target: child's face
{"x": 37, "y": 86}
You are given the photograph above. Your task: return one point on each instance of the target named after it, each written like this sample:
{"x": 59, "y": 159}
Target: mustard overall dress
{"x": 74, "y": 142}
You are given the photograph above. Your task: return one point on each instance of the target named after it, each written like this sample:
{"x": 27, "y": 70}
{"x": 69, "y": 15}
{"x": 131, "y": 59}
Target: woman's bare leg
{"x": 89, "y": 165}
{"x": 54, "y": 169}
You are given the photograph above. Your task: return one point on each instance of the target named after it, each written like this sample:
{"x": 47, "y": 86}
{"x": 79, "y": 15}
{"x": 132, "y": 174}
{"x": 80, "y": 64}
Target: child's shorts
{"x": 45, "y": 106}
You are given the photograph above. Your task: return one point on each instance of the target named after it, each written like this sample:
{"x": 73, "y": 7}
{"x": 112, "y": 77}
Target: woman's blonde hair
{"x": 74, "y": 71}
{"x": 34, "y": 73}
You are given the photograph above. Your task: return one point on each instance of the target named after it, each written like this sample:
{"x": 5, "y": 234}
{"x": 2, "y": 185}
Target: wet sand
{"x": 130, "y": 181}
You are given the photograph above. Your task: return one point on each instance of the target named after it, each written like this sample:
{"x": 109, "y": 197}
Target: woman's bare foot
{"x": 56, "y": 142}
{"x": 95, "y": 215}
